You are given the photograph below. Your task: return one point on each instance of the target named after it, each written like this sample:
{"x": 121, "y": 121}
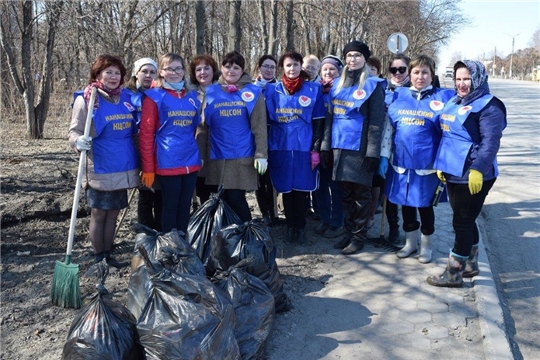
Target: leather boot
{"x": 452, "y": 275}
{"x": 301, "y": 237}
{"x": 291, "y": 235}
{"x": 113, "y": 262}
{"x": 393, "y": 235}
{"x": 356, "y": 244}
{"x": 425, "y": 249}
{"x": 411, "y": 239}
{"x": 471, "y": 265}
{"x": 345, "y": 240}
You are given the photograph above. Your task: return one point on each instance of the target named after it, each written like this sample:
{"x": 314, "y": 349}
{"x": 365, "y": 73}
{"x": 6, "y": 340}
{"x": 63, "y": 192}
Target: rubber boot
{"x": 471, "y": 265}
{"x": 411, "y": 244}
{"x": 291, "y": 235}
{"x": 356, "y": 244}
{"x": 425, "y": 249}
{"x": 345, "y": 240}
{"x": 452, "y": 275}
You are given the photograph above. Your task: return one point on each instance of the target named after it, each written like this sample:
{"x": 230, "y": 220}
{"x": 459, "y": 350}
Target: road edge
{"x": 495, "y": 342}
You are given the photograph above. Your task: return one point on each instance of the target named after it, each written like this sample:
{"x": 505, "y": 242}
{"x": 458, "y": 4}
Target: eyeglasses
{"x": 401, "y": 69}
{"x": 353, "y": 56}
{"x": 174, "y": 71}
{"x": 268, "y": 67}
{"x": 311, "y": 67}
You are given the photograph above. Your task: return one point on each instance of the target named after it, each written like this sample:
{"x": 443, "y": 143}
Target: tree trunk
{"x": 235, "y": 32}
{"x": 272, "y": 41}
{"x": 200, "y": 21}
{"x": 263, "y": 27}
{"x": 290, "y": 25}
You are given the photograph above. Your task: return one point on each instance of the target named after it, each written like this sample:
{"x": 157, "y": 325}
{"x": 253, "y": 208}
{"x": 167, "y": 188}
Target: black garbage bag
{"x": 181, "y": 261}
{"x": 103, "y": 329}
{"x": 205, "y": 224}
{"x": 186, "y": 317}
{"x": 253, "y": 306}
{"x": 236, "y": 242}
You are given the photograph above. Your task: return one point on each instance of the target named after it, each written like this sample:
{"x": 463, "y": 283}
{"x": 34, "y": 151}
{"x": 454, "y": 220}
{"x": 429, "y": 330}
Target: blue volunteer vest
{"x": 228, "y": 118}
{"x": 113, "y": 149}
{"x": 348, "y": 121}
{"x": 289, "y": 116}
{"x": 456, "y": 141}
{"x": 175, "y": 138}
{"x": 136, "y": 101}
{"x": 417, "y": 129}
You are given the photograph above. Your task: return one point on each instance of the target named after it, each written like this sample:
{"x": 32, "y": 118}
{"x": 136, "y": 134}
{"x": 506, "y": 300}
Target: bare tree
{"x": 201, "y": 24}
{"x": 235, "y": 31}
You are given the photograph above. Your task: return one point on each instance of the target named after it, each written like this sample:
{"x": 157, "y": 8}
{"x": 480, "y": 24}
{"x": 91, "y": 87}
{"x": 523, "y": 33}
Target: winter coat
{"x": 349, "y": 165}
{"x": 103, "y": 182}
{"x": 236, "y": 173}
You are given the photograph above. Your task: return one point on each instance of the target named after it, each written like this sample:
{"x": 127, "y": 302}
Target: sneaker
{"x": 333, "y": 232}
{"x": 321, "y": 229}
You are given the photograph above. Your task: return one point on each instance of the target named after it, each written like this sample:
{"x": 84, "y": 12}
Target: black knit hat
{"x": 359, "y": 46}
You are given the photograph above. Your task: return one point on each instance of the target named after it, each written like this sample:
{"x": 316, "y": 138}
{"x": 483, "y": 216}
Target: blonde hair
{"x": 364, "y": 74}
{"x": 166, "y": 60}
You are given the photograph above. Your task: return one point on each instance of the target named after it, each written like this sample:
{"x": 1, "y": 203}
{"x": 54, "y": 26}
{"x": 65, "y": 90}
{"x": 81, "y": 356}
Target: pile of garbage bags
{"x": 209, "y": 294}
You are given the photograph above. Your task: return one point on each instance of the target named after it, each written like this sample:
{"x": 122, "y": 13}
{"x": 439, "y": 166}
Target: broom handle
{"x": 82, "y": 163}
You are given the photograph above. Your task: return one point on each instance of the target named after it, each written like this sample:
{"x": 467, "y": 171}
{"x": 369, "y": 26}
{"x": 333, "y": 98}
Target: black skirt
{"x": 106, "y": 200}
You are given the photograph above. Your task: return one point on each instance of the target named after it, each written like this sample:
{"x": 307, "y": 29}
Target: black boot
{"x": 345, "y": 240}
{"x": 452, "y": 275}
{"x": 291, "y": 235}
{"x": 471, "y": 265}
{"x": 98, "y": 257}
{"x": 356, "y": 244}
{"x": 393, "y": 235}
{"x": 113, "y": 262}
{"x": 301, "y": 237}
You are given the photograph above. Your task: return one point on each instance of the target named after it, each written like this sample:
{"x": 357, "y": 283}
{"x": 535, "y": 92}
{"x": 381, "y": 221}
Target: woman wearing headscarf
{"x": 295, "y": 118}
{"x": 169, "y": 152}
{"x": 149, "y": 204}
{"x": 353, "y": 130}
{"x": 411, "y": 178}
{"x": 235, "y": 125}
{"x": 472, "y": 123}
{"x": 113, "y": 162}
{"x": 329, "y": 195}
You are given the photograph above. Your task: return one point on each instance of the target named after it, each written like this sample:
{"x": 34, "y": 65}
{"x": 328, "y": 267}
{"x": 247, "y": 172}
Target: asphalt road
{"x": 512, "y": 214}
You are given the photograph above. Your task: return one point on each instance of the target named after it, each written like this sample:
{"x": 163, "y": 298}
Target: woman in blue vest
{"x": 353, "y": 130}
{"x": 412, "y": 178}
{"x": 169, "y": 119}
{"x": 113, "y": 163}
{"x": 296, "y": 119}
{"x": 472, "y": 124}
{"x": 329, "y": 195}
{"x": 150, "y": 204}
{"x": 235, "y": 125}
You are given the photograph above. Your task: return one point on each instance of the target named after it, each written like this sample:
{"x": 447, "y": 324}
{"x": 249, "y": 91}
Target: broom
{"x": 65, "y": 284}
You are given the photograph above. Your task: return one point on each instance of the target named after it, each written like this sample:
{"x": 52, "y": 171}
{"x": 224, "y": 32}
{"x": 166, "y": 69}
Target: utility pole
{"x": 512, "y": 54}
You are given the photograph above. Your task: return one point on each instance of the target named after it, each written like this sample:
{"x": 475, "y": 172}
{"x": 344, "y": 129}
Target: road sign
{"x": 397, "y": 43}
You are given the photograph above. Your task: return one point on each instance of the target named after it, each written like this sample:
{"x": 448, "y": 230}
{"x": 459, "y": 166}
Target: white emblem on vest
{"x": 248, "y": 96}
{"x": 304, "y": 101}
{"x": 359, "y": 94}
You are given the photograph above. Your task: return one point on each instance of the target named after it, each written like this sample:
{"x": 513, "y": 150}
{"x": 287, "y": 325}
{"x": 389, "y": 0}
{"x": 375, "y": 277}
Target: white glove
{"x": 261, "y": 165}
{"x": 83, "y": 143}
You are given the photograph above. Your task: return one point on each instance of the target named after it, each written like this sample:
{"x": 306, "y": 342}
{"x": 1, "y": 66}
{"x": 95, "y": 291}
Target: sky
{"x": 493, "y": 24}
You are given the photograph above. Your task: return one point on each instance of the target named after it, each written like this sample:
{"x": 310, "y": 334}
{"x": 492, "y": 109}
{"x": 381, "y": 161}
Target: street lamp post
{"x": 512, "y": 54}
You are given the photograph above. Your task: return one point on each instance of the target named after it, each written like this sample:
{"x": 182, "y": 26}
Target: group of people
{"x": 334, "y": 130}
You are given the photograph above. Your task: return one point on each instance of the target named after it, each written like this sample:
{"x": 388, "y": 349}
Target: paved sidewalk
{"x": 373, "y": 305}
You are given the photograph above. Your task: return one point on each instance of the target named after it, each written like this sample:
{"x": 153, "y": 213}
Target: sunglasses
{"x": 401, "y": 69}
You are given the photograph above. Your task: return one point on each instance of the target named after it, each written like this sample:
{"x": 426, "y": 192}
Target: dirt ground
{"x": 37, "y": 186}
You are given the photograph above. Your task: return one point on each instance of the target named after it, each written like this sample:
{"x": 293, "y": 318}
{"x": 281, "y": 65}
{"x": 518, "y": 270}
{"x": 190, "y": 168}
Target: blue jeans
{"x": 329, "y": 199}
{"x": 177, "y": 192}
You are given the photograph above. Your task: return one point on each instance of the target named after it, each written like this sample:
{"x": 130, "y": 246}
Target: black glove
{"x": 372, "y": 164}
{"x": 326, "y": 159}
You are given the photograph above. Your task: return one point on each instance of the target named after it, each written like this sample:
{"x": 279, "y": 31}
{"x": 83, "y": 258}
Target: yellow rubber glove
{"x": 148, "y": 179}
{"x": 475, "y": 181}
{"x": 440, "y": 175}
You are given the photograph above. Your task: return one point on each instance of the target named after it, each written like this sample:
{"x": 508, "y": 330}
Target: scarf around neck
{"x": 292, "y": 85}
{"x": 99, "y": 85}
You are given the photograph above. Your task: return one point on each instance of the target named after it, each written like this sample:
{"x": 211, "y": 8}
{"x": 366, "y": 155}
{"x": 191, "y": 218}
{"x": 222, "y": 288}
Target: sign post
{"x": 397, "y": 43}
